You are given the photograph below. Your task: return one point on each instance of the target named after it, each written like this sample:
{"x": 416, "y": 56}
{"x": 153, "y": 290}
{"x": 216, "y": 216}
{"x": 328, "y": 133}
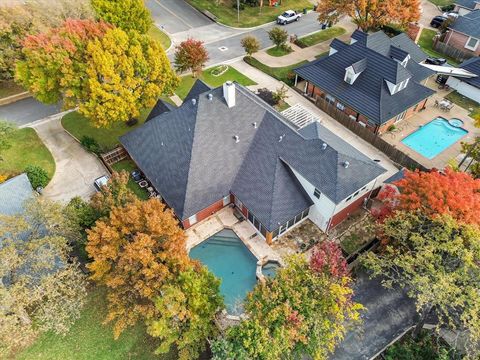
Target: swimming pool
{"x": 229, "y": 259}
{"x": 434, "y": 137}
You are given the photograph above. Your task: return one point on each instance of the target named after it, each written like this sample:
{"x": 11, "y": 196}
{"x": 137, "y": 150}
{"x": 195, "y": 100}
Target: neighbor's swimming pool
{"x": 229, "y": 259}
{"x": 434, "y": 137}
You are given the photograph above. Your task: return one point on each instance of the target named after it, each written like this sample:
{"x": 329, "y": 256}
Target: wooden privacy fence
{"x": 113, "y": 157}
{"x": 392, "y": 152}
{"x": 451, "y": 51}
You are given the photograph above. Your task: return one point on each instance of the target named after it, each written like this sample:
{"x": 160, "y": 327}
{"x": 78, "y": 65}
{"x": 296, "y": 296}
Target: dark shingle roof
{"x": 338, "y": 44}
{"x": 472, "y": 65}
{"x": 469, "y": 4}
{"x": 191, "y": 157}
{"x": 159, "y": 108}
{"x": 360, "y": 65}
{"x": 369, "y": 94}
{"x": 468, "y": 24}
{"x": 13, "y": 194}
{"x": 403, "y": 42}
{"x": 199, "y": 87}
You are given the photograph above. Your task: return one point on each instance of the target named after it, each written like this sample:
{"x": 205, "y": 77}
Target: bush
{"x": 267, "y": 96}
{"x": 91, "y": 144}
{"x": 391, "y": 128}
{"x": 37, "y": 175}
{"x": 448, "y": 8}
{"x": 278, "y": 36}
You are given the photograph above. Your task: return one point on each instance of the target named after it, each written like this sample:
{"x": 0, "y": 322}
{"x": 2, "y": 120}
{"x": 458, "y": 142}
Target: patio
{"x": 410, "y": 125}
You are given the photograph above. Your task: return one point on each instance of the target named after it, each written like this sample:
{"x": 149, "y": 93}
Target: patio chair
{"x": 437, "y": 104}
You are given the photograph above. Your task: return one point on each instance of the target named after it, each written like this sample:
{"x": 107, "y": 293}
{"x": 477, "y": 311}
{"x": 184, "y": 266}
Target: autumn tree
{"x": 437, "y": 261}
{"x": 472, "y": 157}
{"x": 126, "y": 14}
{"x": 370, "y": 14}
{"x": 303, "y": 310}
{"x": 250, "y": 44}
{"x": 19, "y": 19}
{"x": 185, "y": 311}
{"x": 42, "y": 288}
{"x": 191, "y": 55}
{"x": 136, "y": 251}
{"x": 278, "y": 36}
{"x": 109, "y": 74}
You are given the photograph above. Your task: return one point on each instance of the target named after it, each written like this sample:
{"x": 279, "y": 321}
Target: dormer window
{"x": 349, "y": 76}
{"x": 394, "y": 88}
{"x": 405, "y": 61}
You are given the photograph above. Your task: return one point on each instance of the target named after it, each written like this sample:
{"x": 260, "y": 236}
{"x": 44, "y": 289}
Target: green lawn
{"x": 79, "y": 126}
{"x": 250, "y": 16}
{"x": 321, "y": 36}
{"x": 442, "y": 2}
{"x": 465, "y": 103}
{"x": 26, "y": 149}
{"x": 129, "y": 166}
{"x": 426, "y": 43}
{"x": 160, "y": 36}
{"x": 284, "y": 74}
{"x": 279, "y": 51}
{"x": 187, "y": 81}
{"x": 89, "y": 339}
{"x": 9, "y": 88}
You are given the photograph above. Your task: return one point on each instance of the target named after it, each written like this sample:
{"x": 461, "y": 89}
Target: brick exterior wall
{"x": 203, "y": 214}
{"x": 458, "y": 41}
{"x": 362, "y": 119}
{"x": 343, "y": 214}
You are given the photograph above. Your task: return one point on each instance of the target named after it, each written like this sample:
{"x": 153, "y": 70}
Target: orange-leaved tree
{"x": 434, "y": 193}
{"x": 370, "y": 14}
{"x": 136, "y": 250}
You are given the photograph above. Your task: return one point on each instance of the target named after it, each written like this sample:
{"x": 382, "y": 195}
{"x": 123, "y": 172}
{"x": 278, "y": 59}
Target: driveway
{"x": 26, "y": 111}
{"x": 428, "y": 11}
{"x": 76, "y": 169}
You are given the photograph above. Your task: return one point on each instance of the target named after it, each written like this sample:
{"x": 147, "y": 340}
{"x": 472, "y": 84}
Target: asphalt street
{"x": 26, "y": 111}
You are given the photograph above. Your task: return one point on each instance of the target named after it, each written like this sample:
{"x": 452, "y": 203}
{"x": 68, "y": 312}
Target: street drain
{"x": 223, "y": 48}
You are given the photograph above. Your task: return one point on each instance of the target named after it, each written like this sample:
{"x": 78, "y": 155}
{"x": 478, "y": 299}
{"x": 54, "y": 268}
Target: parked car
{"x": 450, "y": 14}
{"x": 435, "y": 61}
{"x": 101, "y": 181}
{"x": 288, "y": 17}
{"x": 437, "y": 21}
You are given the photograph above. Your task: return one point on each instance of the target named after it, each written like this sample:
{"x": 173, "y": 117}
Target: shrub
{"x": 267, "y": 96}
{"x": 278, "y": 36}
{"x": 90, "y": 144}
{"x": 250, "y": 44}
{"x": 391, "y": 128}
{"x": 448, "y": 8}
{"x": 37, "y": 175}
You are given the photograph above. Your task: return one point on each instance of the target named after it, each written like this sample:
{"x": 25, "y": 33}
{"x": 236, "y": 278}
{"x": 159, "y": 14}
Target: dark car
{"x": 437, "y": 21}
{"x": 435, "y": 61}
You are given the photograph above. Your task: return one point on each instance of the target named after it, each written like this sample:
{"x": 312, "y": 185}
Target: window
{"x": 348, "y": 198}
{"x": 349, "y": 77}
{"x": 226, "y": 200}
{"x": 471, "y": 44}
{"x": 356, "y": 193}
{"x": 340, "y": 106}
{"x": 330, "y": 99}
{"x": 316, "y": 193}
{"x": 192, "y": 219}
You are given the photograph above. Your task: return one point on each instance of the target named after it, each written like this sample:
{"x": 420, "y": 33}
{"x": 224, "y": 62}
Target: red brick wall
{"x": 458, "y": 41}
{"x": 410, "y": 112}
{"x": 203, "y": 214}
{"x": 342, "y": 214}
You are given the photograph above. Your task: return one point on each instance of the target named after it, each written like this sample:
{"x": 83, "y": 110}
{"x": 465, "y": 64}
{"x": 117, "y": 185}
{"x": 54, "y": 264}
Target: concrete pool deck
{"x": 225, "y": 219}
{"x": 412, "y": 124}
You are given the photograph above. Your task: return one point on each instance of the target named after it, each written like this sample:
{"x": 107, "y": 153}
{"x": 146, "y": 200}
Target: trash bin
{"x": 304, "y": 10}
{"x": 315, "y": 7}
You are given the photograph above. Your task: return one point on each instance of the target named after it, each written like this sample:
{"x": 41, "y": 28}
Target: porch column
{"x": 296, "y": 79}
{"x": 268, "y": 238}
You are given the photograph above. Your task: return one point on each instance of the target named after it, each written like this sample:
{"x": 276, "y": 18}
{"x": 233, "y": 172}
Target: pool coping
{"x": 421, "y": 126}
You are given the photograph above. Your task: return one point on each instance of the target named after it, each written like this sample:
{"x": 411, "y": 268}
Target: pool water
{"x": 434, "y": 137}
{"x": 229, "y": 259}
{"x": 270, "y": 269}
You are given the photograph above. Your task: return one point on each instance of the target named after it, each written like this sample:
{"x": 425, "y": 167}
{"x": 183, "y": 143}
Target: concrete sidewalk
{"x": 265, "y": 81}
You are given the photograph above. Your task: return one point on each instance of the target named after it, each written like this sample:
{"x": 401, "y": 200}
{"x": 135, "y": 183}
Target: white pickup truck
{"x": 288, "y": 17}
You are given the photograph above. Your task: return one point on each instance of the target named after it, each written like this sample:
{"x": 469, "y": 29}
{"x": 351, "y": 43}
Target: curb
{"x": 14, "y": 98}
{"x": 46, "y": 119}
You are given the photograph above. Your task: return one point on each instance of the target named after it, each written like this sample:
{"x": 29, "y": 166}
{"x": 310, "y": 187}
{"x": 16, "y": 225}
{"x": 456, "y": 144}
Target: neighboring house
{"x": 469, "y": 87}
{"x": 464, "y": 34}
{"x": 13, "y": 194}
{"x": 227, "y": 146}
{"x": 375, "y": 80}
{"x": 463, "y": 7}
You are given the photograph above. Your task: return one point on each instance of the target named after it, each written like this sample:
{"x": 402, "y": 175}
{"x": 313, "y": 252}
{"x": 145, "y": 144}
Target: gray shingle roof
{"x": 198, "y": 88}
{"x": 472, "y": 65}
{"x": 360, "y": 65}
{"x": 369, "y": 94}
{"x": 403, "y": 42}
{"x": 191, "y": 157}
{"x": 159, "y": 108}
{"x": 13, "y": 194}
{"x": 469, "y": 4}
{"x": 468, "y": 24}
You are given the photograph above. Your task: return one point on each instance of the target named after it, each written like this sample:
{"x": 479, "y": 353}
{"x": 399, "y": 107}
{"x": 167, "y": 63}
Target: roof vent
{"x": 194, "y": 101}
{"x": 237, "y": 139}
{"x": 346, "y": 164}
{"x": 210, "y": 97}
{"x": 281, "y": 138}
{"x": 324, "y": 146}
{"x": 254, "y": 125}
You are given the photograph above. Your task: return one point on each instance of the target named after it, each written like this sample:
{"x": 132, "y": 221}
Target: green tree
{"x": 109, "y": 74}
{"x": 278, "y": 36}
{"x": 303, "y": 310}
{"x": 250, "y": 44}
{"x": 6, "y": 132}
{"x": 126, "y": 14}
{"x": 437, "y": 261}
{"x": 472, "y": 157}
{"x": 186, "y": 310}
{"x": 42, "y": 288}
